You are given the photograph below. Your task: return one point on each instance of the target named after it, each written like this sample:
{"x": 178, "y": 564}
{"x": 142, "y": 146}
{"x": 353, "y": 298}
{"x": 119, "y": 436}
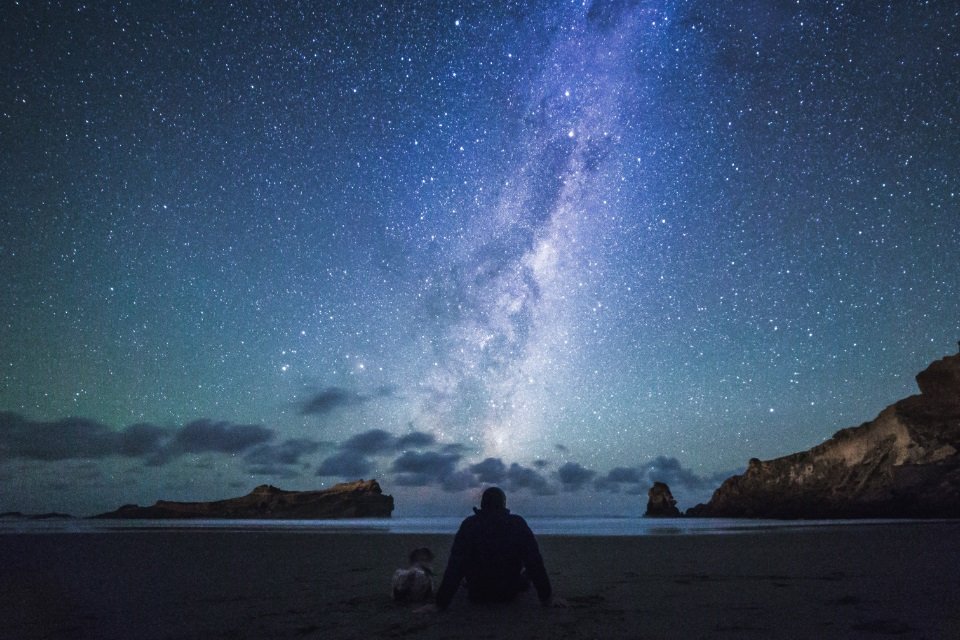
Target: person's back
{"x": 496, "y": 553}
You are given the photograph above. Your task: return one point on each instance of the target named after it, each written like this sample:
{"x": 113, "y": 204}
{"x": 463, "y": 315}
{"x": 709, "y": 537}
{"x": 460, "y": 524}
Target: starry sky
{"x": 564, "y": 247}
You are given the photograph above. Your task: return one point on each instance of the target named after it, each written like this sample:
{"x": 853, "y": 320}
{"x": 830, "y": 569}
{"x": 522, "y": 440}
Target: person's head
{"x": 493, "y": 498}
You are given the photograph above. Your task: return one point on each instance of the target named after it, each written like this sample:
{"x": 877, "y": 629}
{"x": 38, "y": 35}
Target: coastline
{"x": 851, "y": 581}
{"x": 572, "y": 526}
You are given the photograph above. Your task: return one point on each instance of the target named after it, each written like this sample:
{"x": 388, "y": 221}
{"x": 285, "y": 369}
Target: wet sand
{"x": 864, "y": 581}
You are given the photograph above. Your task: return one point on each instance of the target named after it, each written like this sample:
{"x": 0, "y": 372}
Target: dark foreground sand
{"x": 900, "y": 580}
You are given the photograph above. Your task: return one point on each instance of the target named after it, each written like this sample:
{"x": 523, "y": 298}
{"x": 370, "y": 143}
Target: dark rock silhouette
{"x": 53, "y": 515}
{"x": 902, "y": 464}
{"x": 360, "y": 499}
{"x": 660, "y": 502}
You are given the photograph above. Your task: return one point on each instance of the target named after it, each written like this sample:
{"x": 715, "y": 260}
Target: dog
{"x": 415, "y": 583}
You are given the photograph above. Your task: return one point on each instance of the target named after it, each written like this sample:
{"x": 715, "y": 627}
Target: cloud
{"x": 454, "y": 447}
{"x": 370, "y": 442}
{"x": 418, "y": 459}
{"x": 378, "y": 441}
{"x": 72, "y": 437}
{"x": 490, "y": 471}
{"x": 413, "y": 468}
{"x": 624, "y": 474}
{"x": 345, "y": 464}
{"x": 415, "y": 440}
{"x": 638, "y": 489}
{"x": 288, "y": 452}
{"x": 666, "y": 469}
{"x": 670, "y": 471}
{"x": 432, "y": 468}
{"x": 520, "y": 477}
{"x": 332, "y": 398}
{"x": 208, "y": 436}
{"x": 422, "y": 469}
{"x": 79, "y": 438}
{"x": 139, "y": 440}
{"x": 428, "y": 461}
{"x": 460, "y": 481}
{"x": 573, "y": 476}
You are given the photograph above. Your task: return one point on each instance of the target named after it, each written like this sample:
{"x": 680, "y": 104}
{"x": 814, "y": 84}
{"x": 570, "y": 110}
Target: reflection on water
{"x": 558, "y": 525}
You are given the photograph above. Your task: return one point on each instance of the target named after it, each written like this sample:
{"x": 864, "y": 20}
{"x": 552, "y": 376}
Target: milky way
{"x": 512, "y": 350}
{"x": 568, "y": 248}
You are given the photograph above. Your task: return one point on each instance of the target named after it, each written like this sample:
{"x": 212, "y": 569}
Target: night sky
{"x": 564, "y": 247}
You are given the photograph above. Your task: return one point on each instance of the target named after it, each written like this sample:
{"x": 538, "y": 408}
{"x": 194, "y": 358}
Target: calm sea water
{"x": 569, "y": 526}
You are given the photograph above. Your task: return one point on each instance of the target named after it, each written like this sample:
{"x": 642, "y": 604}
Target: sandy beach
{"x": 863, "y": 581}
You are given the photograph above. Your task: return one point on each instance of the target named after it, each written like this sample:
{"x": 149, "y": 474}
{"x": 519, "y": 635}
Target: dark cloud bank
{"x": 80, "y": 438}
{"x": 413, "y": 459}
{"x": 418, "y": 460}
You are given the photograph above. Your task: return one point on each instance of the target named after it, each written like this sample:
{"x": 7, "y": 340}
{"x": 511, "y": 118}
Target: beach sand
{"x": 861, "y": 581}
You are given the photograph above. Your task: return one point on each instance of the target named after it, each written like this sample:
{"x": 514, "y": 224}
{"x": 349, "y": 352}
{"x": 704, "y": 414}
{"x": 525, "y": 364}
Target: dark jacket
{"x": 491, "y": 550}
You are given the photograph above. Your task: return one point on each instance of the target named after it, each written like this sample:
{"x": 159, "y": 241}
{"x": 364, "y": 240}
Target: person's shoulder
{"x": 517, "y": 521}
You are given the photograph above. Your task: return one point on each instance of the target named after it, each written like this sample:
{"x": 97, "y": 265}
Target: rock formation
{"x": 361, "y": 499}
{"x": 902, "y": 464}
{"x": 16, "y": 515}
{"x": 660, "y": 502}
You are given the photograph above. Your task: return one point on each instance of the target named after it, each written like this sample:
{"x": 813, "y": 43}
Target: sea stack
{"x": 660, "y": 502}
{"x": 902, "y": 464}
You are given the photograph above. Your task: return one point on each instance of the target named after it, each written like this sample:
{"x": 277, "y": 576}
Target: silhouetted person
{"x": 496, "y": 555}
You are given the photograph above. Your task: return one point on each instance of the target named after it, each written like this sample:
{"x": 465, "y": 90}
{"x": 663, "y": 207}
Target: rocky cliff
{"x": 361, "y": 499}
{"x": 902, "y": 464}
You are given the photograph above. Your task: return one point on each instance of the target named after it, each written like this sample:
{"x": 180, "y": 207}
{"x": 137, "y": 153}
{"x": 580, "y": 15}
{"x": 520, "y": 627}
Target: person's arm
{"x": 533, "y": 562}
{"x": 456, "y": 567}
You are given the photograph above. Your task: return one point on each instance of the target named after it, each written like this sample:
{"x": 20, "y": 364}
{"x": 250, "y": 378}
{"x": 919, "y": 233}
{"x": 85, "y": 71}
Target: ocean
{"x": 541, "y": 525}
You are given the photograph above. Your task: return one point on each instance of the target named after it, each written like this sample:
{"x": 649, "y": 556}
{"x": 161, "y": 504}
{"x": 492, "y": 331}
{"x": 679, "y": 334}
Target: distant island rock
{"x": 902, "y": 464}
{"x": 660, "y": 502}
{"x": 360, "y": 499}
{"x": 16, "y": 515}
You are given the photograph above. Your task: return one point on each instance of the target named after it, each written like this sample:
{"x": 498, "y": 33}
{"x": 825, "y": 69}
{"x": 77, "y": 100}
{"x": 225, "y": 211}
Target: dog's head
{"x": 421, "y": 556}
